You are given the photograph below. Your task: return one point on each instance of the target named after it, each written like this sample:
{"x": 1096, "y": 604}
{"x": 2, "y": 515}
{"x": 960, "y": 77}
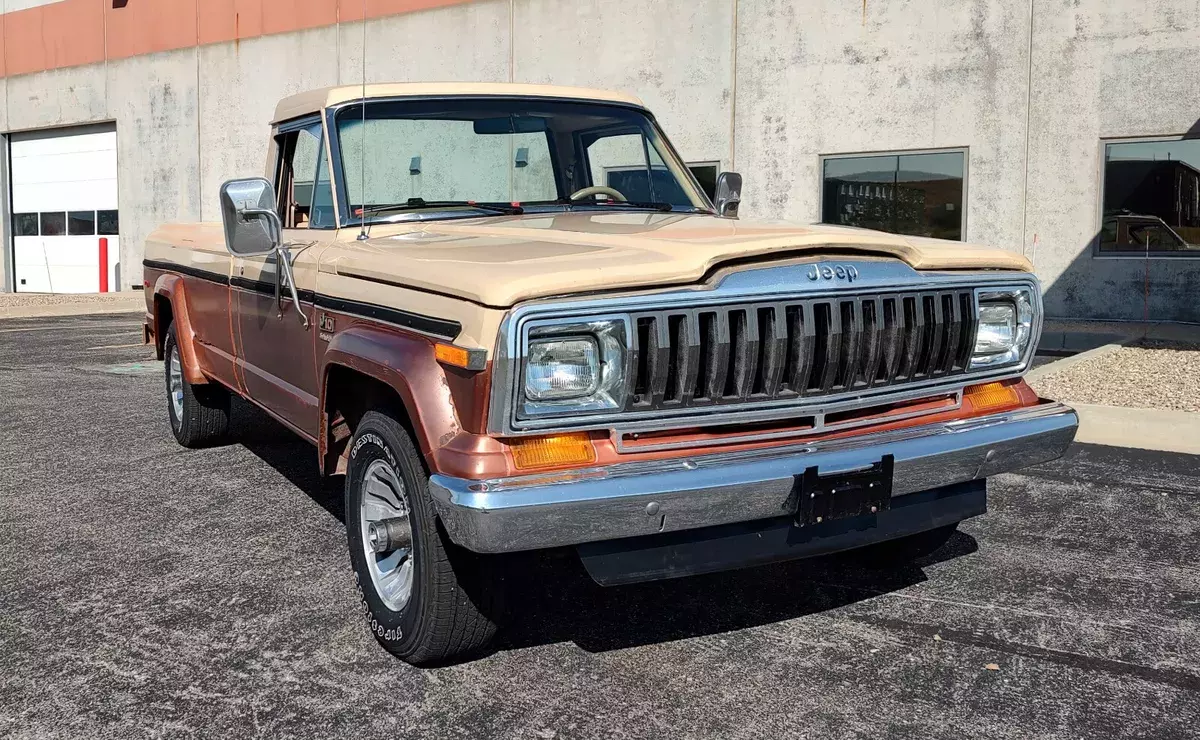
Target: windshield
{"x": 474, "y": 157}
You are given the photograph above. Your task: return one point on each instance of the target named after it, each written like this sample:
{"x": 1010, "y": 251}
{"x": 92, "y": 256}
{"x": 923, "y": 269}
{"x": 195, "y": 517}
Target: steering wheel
{"x": 598, "y": 190}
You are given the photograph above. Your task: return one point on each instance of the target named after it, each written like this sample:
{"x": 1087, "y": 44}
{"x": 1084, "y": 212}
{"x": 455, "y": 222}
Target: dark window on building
{"x": 107, "y": 223}
{"x": 1151, "y": 197}
{"x": 25, "y": 224}
{"x": 81, "y": 223}
{"x": 917, "y": 194}
{"x": 54, "y": 224}
{"x": 706, "y": 175}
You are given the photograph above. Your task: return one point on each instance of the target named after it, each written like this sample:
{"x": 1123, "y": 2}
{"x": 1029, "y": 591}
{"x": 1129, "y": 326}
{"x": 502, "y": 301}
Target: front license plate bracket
{"x": 822, "y": 498}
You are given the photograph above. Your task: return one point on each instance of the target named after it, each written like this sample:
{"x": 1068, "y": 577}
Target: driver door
{"x": 276, "y": 346}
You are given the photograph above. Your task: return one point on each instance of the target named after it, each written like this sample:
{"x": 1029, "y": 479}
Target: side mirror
{"x": 252, "y": 226}
{"x": 729, "y": 194}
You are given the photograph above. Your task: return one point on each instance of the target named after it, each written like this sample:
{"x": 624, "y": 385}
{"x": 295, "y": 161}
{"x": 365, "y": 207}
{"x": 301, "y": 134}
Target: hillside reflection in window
{"x": 916, "y": 194}
{"x": 1151, "y": 197}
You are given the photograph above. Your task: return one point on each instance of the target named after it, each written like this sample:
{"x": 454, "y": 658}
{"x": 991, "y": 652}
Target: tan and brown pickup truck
{"x": 511, "y": 318}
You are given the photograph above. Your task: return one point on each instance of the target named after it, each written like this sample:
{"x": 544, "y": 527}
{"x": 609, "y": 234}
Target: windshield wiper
{"x": 414, "y": 203}
{"x": 645, "y": 204}
{"x": 602, "y": 204}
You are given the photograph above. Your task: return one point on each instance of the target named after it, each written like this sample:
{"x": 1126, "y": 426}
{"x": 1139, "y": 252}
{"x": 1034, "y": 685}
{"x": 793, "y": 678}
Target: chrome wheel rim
{"x": 175, "y": 386}
{"x": 384, "y": 498}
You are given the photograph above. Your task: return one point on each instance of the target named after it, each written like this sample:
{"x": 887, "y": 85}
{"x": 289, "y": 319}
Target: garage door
{"x": 66, "y": 231}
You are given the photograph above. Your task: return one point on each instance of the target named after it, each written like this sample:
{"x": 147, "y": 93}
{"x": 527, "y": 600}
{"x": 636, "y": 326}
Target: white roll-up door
{"x": 65, "y": 211}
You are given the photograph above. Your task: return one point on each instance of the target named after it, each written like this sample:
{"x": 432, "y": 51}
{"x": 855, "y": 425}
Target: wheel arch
{"x": 367, "y": 367}
{"x": 171, "y": 307}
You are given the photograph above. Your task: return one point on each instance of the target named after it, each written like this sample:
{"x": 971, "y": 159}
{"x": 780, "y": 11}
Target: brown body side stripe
{"x": 430, "y": 325}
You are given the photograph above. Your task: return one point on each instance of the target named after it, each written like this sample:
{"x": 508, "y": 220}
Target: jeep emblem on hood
{"x": 849, "y": 273}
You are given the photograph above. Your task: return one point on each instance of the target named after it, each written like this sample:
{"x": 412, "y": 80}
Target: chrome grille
{"x": 765, "y": 351}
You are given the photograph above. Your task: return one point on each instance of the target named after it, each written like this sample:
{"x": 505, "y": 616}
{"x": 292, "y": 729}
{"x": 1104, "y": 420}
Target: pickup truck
{"x": 509, "y": 316}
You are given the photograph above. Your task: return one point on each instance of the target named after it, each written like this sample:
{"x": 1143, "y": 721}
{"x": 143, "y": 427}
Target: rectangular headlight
{"x": 573, "y": 367}
{"x": 1005, "y": 328}
{"x": 557, "y": 369}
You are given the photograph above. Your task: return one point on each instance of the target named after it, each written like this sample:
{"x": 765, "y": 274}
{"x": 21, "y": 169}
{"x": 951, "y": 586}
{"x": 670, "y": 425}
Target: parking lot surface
{"x": 152, "y": 591}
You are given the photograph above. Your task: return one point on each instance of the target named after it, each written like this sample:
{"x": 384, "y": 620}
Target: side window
{"x": 54, "y": 224}
{"x": 706, "y": 174}
{"x": 107, "y": 223}
{"x": 631, "y": 166}
{"x": 918, "y": 194}
{"x": 25, "y": 224}
{"x": 303, "y": 185}
{"x": 81, "y": 223}
{"x": 1152, "y": 194}
{"x": 619, "y": 162}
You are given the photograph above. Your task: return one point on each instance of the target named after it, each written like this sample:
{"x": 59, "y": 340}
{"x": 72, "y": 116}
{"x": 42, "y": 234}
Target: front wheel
{"x": 426, "y": 600}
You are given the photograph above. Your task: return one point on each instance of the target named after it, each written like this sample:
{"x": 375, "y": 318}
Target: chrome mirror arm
{"x": 285, "y": 273}
{"x": 274, "y": 225}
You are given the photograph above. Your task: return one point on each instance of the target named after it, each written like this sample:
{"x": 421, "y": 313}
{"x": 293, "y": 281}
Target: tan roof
{"x": 314, "y": 100}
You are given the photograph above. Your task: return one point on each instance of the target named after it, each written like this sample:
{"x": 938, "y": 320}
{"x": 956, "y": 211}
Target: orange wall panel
{"x": 281, "y": 16}
{"x": 145, "y": 27}
{"x": 73, "y": 32}
{"x": 226, "y": 20}
{"x": 24, "y": 49}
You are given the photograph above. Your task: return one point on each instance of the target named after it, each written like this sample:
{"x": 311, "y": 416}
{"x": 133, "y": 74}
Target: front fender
{"x": 173, "y": 289}
{"x": 407, "y": 364}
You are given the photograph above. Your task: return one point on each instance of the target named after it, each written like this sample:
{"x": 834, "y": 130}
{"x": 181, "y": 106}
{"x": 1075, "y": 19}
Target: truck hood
{"x": 500, "y": 261}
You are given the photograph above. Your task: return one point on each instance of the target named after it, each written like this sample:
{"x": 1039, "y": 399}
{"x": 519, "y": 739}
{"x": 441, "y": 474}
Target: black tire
{"x": 906, "y": 549}
{"x": 455, "y": 595}
{"x": 204, "y": 418}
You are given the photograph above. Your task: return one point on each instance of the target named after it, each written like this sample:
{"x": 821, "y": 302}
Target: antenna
{"x": 362, "y": 152}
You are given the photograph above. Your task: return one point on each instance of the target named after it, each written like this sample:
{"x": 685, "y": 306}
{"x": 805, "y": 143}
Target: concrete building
{"x": 992, "y": 121}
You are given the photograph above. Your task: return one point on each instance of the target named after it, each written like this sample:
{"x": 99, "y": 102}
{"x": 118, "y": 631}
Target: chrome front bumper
{"x": 640, "y": 498}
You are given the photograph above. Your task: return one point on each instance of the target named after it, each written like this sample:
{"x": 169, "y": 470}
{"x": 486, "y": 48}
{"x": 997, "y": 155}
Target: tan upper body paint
{"x": 472, "y": 270}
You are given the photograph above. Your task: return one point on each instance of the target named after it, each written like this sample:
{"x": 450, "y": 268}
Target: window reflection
{"x": 54, "y": 224}
{"x": 1151, "y": 197}
{"x": 916, "y": 194}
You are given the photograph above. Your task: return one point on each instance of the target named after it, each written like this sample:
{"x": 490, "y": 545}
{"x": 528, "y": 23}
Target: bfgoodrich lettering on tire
{"x": 425, "y": 599}
{"x": 199, "y": 414}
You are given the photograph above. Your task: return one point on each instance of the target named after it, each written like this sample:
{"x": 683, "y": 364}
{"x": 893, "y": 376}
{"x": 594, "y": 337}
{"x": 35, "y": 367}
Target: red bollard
{"x": 103, "y": 265}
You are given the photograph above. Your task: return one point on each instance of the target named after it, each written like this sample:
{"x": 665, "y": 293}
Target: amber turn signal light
{"x": 469, "y": 359}
{"x": 552, "y": 451}
{"x": 993, "y": 396}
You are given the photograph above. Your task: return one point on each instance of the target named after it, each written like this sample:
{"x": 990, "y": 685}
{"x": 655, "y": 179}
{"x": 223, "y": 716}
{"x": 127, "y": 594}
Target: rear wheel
{"x": 426, "y": 599}
{"x": 199, "y": 414}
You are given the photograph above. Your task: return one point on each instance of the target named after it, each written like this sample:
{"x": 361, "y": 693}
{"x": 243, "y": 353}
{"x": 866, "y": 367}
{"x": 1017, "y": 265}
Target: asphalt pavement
{"x": 152, "y": 591}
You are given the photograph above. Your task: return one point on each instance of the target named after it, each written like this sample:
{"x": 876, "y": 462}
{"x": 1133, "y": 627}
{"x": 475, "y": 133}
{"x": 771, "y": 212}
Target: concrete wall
{"x": 763, "y": 86}
{"x": 1106, "y": 69}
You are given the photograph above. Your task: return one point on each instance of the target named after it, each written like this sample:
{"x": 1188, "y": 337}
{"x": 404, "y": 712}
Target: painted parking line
{"x": 60, "y": 327}
{"x": 119, "y": 346}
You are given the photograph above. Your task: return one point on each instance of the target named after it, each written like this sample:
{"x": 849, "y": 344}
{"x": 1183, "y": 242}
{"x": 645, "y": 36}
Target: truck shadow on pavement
{"x": 559, "y": 602}
{"x": 552, "y": 599}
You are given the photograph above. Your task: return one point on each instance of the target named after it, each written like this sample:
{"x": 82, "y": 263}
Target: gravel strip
{"x": 1162, "y": 375}
{"x": 8, "y": 300}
